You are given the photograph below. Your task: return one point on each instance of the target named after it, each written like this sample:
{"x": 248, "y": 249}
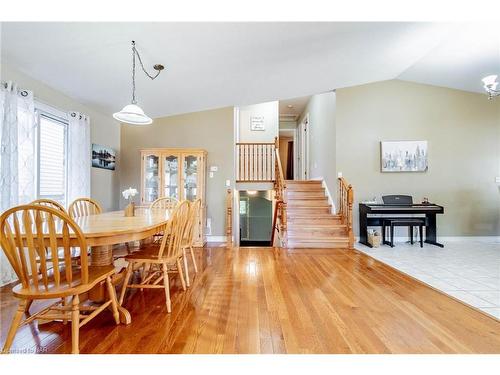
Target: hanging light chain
{"x": 133, "y": 73}
{"x": 157, "y": 67}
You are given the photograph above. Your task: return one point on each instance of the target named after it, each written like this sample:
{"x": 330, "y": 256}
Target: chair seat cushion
{"x": 96, "y": 275}
{"x": 406, "y": 221}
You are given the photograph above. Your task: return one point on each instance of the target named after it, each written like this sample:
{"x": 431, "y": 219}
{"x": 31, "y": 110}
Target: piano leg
{"x": 430, "y": 231}
{"x": 363, "y": 227}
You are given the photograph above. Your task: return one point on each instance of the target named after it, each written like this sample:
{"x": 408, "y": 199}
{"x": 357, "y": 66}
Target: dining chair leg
{"x": 114, "y": 302}
{"x": 125, "y": 283}
{"x": 28, "y": 305}
{"x": 145, "y": 272}
{"x": 186, "y": 270}
{"x": 167, "y": 288}
{"x": 181, "y": 274}
{"x": 75, "y": 324}
{"x": 16, "y": 321}
{"x": 195, "y": 266}
{"x": 63, "y": 303}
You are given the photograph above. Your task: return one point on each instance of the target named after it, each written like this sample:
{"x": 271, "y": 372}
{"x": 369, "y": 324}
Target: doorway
{"x": 287, "y": 153}
{"x": 255, "y": 217}
{"x": 303, "y": 148}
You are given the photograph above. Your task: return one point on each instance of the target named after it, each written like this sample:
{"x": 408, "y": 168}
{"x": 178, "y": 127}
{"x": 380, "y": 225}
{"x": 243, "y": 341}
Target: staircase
{"x": 310, "y": 222}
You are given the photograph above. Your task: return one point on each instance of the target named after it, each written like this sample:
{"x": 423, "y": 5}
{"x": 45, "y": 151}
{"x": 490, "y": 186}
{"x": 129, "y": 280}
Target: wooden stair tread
{"x": 311, "y": 223}
{"x": 317, "y": 226}
{"x": 297, "y": 182}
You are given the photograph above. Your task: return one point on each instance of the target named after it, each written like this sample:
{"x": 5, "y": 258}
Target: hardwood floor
{"x": 263, "y": 300}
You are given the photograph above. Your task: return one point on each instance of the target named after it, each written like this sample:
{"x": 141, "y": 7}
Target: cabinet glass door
{"x": 190, "y": 177}
{"x": 151, "y": 178}
{"x": 171, "y": 176}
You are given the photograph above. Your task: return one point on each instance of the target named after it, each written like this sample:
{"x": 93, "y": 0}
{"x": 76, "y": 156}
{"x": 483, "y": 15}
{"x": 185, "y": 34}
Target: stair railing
{"x": 279, "y": 219}
{"x": 255, "y": 162}
{"x": 346, "y": 199}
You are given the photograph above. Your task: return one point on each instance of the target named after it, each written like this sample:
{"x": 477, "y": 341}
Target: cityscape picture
{"x": 404, "y": 156}
{"x": 103, "y": 157}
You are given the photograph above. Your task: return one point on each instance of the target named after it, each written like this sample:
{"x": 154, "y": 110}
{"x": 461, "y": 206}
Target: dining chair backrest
{"x": 166, "y": 203}
{"x": 84, "y": 207}
{"x": 171, "y": 244}
{"x": 194, "y": 214}
{"x": 49, "y": 203}
{"x": 31, "y": 235}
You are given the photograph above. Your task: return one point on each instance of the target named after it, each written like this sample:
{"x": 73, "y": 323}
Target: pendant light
{"x": 490, "y": 85}
{"x": 132, "y": 113}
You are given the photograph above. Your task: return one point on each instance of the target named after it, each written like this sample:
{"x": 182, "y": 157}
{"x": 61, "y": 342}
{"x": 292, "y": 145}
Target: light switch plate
{"x": 211, "y": 174}
{"x": 214, "y": 168}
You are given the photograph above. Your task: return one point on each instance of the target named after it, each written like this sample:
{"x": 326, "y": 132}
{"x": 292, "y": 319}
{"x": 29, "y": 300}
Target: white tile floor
{"x": 467, "y": 269}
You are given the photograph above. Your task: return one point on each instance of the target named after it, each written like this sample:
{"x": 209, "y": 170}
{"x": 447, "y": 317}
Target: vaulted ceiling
{"x": 210, "y": 65}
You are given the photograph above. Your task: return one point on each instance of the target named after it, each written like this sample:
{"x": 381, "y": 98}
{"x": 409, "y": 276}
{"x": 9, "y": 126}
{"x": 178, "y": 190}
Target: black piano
{"x": 429, "y": 209}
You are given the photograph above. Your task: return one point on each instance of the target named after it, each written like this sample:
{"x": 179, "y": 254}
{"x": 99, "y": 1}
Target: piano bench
{"x": 409, "y": 222}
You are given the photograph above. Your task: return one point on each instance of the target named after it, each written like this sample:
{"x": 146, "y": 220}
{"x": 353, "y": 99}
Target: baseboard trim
{"x": 216, "y": 238}
{"x": 489, "y": 239}
{"x": 329, "y": 196}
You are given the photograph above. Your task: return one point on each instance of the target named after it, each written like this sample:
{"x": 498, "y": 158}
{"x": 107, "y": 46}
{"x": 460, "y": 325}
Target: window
{"x": 51, "y": 176}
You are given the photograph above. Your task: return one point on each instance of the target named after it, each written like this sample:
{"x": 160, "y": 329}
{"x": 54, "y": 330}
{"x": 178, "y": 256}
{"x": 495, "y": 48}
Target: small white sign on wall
{"x": 257, "y": 123}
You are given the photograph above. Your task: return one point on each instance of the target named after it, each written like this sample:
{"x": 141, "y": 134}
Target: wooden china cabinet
{"x": 178, "y": 173}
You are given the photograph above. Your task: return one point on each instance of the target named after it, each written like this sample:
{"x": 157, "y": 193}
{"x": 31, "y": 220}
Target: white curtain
{"x": 78, "y": 156}
{"x": 17, "y": 155}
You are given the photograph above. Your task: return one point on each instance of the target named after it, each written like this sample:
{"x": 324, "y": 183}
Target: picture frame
{"x": 257, "y": 123}
{"x": 103, "y": 157}
{"x": 403, "y": 156}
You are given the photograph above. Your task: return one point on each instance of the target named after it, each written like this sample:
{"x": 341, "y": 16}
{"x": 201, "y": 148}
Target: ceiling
{"x": 291, "y": 109}
{"x": 211, "y": 65}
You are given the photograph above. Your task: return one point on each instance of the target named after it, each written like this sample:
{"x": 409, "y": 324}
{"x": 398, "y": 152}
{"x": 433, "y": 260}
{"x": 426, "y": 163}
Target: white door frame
{"x": 303, "y": 148}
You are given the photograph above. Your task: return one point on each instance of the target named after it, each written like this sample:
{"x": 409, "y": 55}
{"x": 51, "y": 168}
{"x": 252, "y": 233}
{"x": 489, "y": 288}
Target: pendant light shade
{"x": 132, "y": 114}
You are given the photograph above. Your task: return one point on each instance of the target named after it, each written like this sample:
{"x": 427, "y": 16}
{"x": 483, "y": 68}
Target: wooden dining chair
{"x": 24, "y": 231}
{"x": 163, "y": 203}
{"x": 162, "y": 259}
{"x": 166, "y": 203}
{"x": 84, "y": 207}
{"x": 75, "y": 252}
{"x": 50, "y": 203}
{"x": 188, "y": 240}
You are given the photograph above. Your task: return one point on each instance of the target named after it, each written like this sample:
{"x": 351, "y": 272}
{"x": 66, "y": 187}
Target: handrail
{"x": 346, "y": 199}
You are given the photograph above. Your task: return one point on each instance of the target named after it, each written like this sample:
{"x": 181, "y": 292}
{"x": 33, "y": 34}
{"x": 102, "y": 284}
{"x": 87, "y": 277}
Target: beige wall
{"x": 462, "y": 130}
{"x": 209, "y": 130}
{"x": 322, "y": 159}
{"x": 104, "y": 131}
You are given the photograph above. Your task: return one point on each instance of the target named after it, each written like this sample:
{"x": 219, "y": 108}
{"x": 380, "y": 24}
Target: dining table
{"x": 105, "y": 230}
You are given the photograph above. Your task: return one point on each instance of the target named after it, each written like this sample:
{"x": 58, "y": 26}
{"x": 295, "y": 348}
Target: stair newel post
{"x": 229, "y": 217}
{"x": 350, "y": 201}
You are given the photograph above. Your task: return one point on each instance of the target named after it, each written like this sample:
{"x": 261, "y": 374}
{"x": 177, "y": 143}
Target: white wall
{"x": 270, "y": 112}
{"x": 104, "y": 131}
{"x": 322, "y": 148}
